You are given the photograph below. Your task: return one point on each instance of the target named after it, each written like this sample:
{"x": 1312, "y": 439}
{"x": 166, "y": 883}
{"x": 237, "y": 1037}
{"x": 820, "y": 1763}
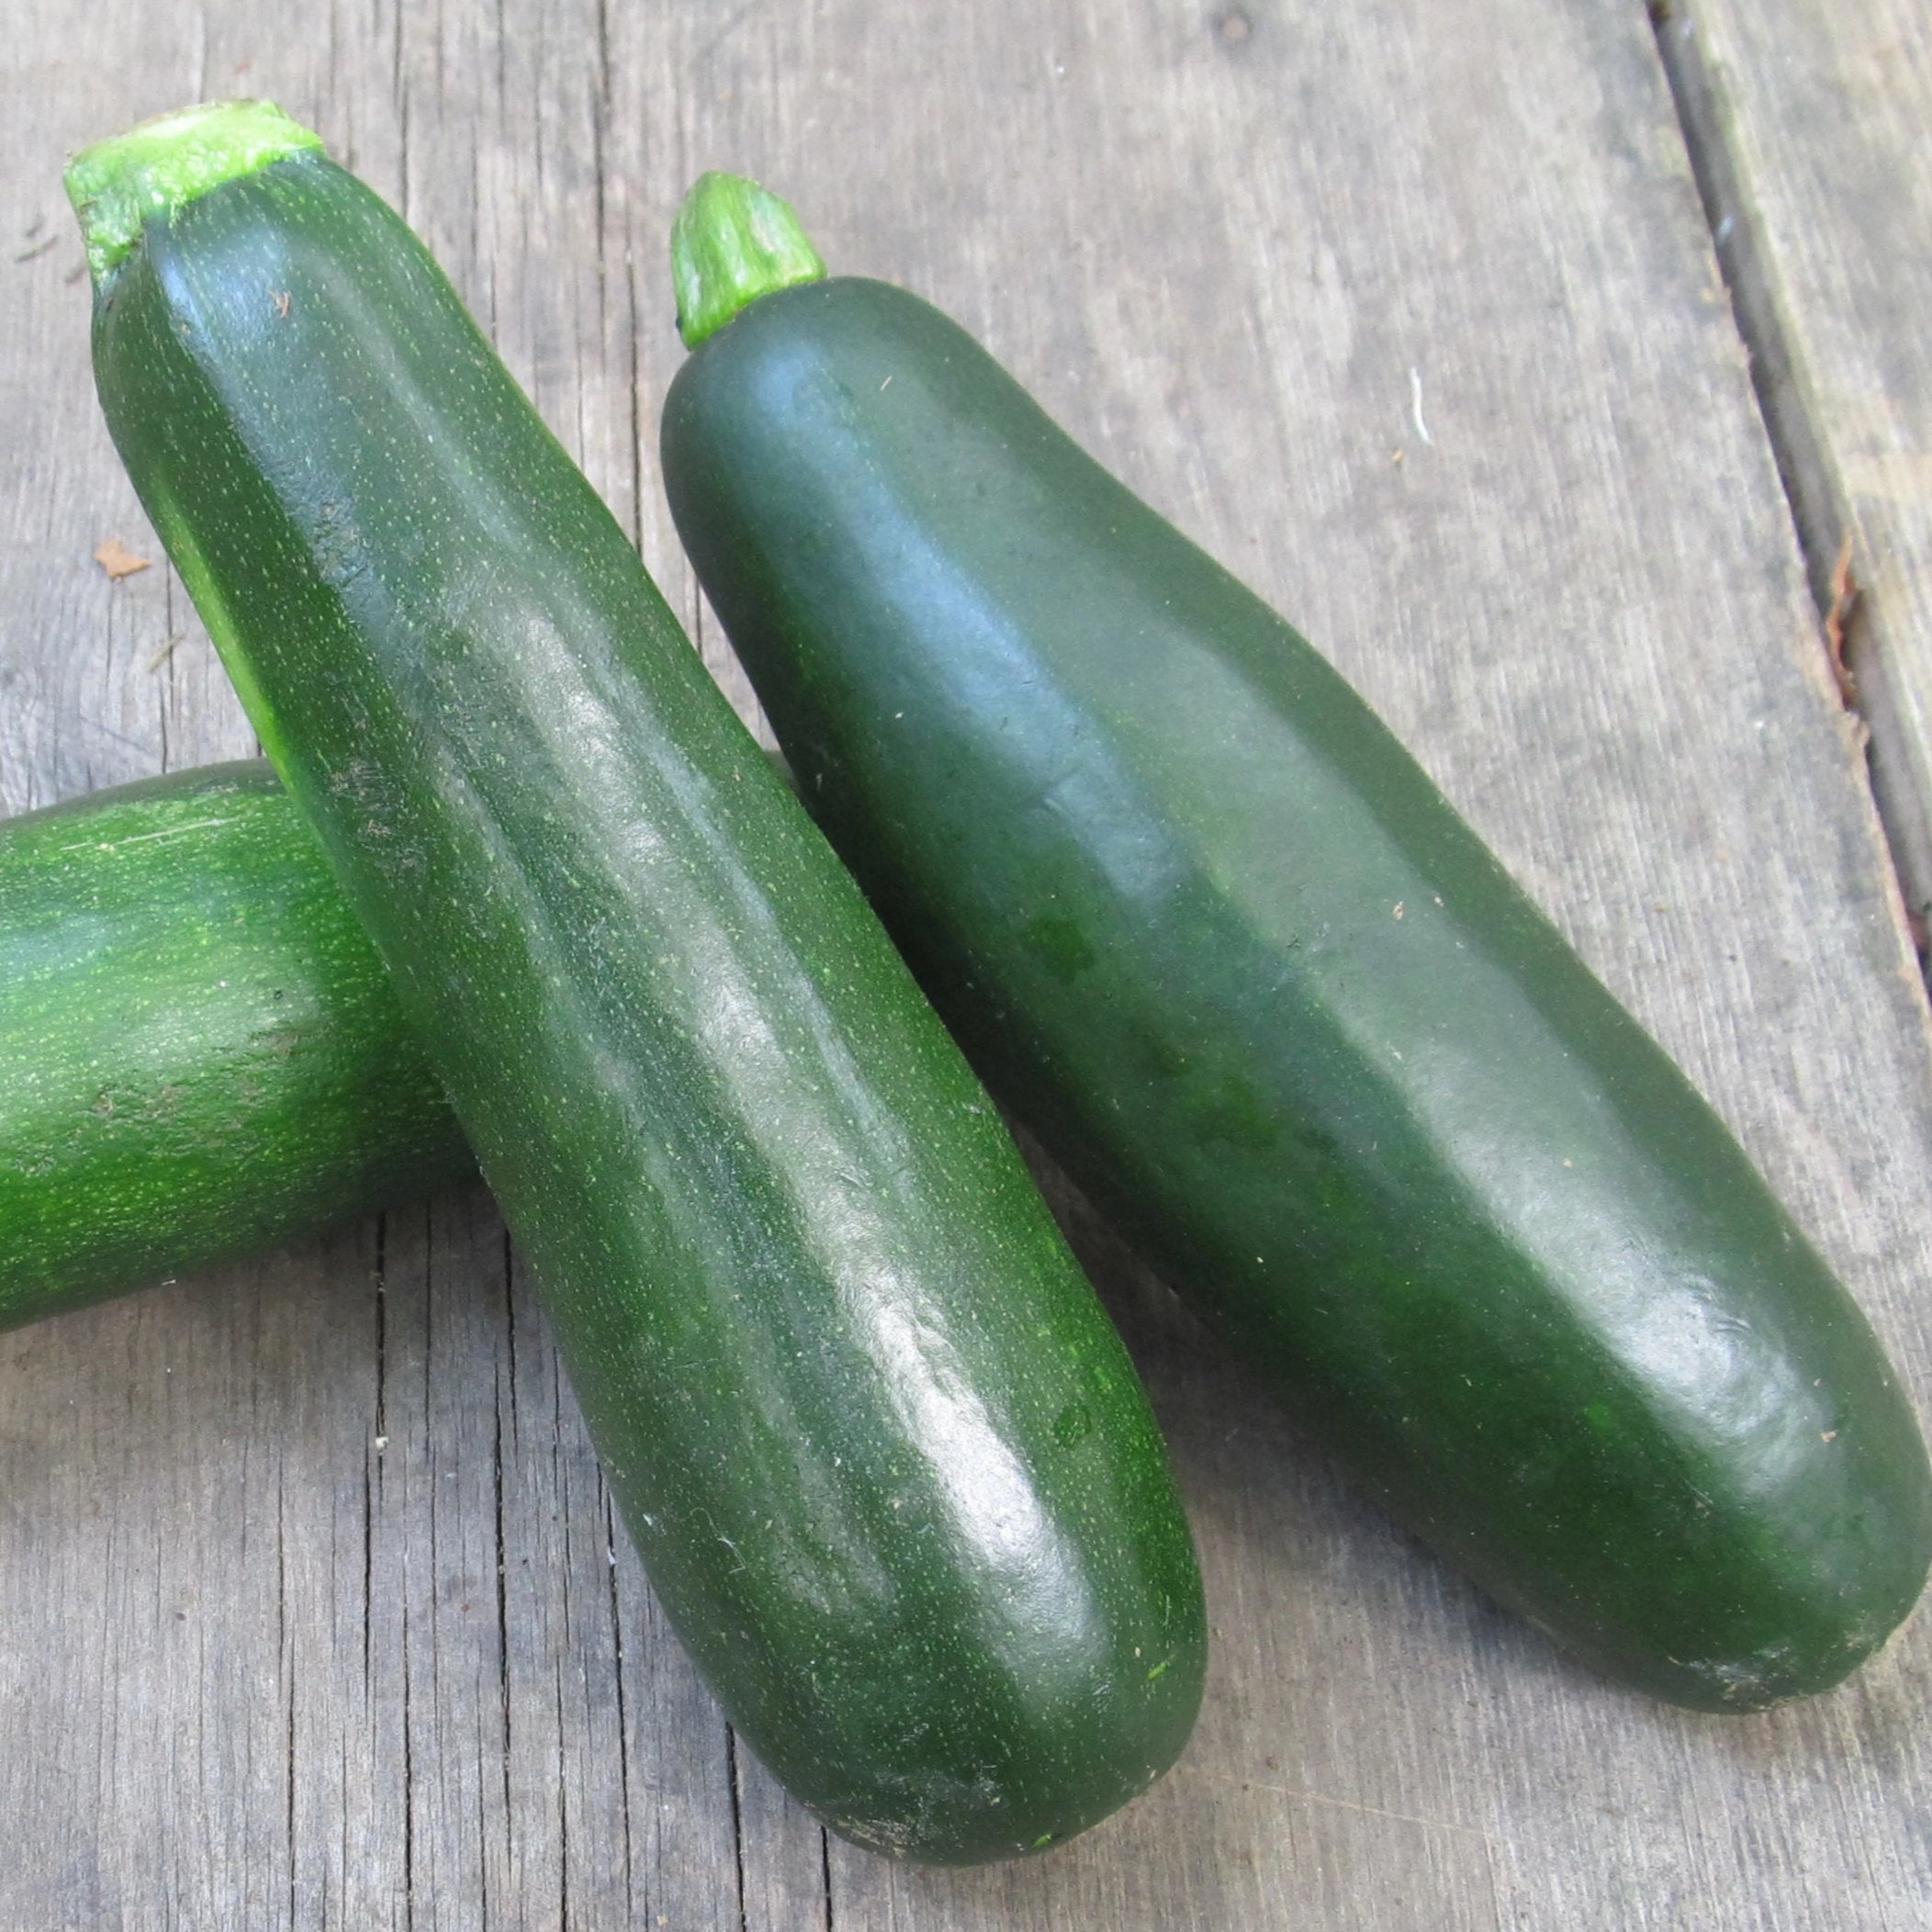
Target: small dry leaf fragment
{"x": 117, "y": 560}
{"x": 1845, "y": 591}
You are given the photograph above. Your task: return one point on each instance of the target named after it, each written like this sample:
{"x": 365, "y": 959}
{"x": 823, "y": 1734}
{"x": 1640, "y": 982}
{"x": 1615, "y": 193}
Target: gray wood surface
{"x": 1809, "y": 122}
{"x": 312, "y": 1611}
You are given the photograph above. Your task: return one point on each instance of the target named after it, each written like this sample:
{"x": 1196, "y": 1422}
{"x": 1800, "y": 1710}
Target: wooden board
{"x": 1808, "y": 121}
{"x": 312, "y": 1611}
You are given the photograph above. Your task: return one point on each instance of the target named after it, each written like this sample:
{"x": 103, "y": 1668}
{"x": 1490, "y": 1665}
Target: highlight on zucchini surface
{"x": 1218, "y": 940}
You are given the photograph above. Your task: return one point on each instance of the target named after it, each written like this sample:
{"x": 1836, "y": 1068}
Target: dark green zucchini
{"x": 888, "y": 1466}
{"x": 200, "y": 1053}
{"x": 1218, "y": 941}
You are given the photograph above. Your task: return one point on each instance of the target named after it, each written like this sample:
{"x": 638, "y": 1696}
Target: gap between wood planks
{"x": 1820, "y": 515}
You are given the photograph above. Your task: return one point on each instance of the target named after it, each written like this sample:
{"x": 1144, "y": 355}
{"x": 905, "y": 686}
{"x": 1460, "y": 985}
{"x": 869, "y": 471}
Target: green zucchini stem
{"x": 732, "y": 242}
{"x": 164, "y": 164}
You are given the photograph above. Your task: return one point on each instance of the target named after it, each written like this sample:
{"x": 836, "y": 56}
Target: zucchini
{"x": 1216, "y": 939}
{"x": 887, "y": 1464}
{"x": 200, "y": 1053}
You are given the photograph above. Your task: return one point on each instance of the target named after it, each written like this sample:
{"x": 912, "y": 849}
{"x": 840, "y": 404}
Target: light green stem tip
{"x": 732, "y": 242}
{"x": 164, "y": 164}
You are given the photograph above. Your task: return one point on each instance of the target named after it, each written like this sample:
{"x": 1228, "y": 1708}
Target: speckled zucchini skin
{"x": 887, "y": 1464}
{"x": 1220, "y": 942}
{"x": 200, "y": 1053}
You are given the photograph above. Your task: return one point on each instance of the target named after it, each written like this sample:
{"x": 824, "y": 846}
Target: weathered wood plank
{"x": 1428, "y": 345}
{"x": 1809, "y": 124}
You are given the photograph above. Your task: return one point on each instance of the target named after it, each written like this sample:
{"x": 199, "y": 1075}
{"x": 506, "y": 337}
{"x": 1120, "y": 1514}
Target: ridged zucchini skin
{"x": 888, "y": 1466}
{"x": 1218, "y": 941}
{"x": 200, "y": 1052}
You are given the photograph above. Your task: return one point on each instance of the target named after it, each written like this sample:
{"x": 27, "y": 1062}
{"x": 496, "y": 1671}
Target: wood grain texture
{"x": 1808, "y": 121}
{"x": 312, "y": 1611}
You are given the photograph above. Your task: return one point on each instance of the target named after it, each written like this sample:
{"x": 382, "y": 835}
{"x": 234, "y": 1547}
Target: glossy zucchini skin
{"x": 888, "y": 1466}
{"x": 1218, "y": 941}
{"x": 200, "y": 1053}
